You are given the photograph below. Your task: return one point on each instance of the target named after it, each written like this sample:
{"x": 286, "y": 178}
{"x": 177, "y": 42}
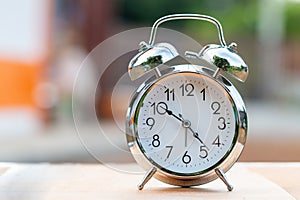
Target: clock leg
{"x": 222, "y": 176}
{"x": 146, "y": 178}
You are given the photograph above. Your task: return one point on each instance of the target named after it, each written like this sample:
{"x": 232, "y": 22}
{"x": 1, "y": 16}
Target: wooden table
{"x": 92, "y": 181}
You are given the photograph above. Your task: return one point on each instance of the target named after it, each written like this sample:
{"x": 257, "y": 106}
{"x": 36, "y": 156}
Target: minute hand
{"x": 195, "y": 134}
{"x": 185, "y": 124}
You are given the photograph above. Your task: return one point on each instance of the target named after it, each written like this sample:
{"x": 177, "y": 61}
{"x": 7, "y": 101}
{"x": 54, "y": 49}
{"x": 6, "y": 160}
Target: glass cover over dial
{"x": 186, "y": 123}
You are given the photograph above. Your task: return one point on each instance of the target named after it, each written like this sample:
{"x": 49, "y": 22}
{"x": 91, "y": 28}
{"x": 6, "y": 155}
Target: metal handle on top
{"x": 186, "y": 16}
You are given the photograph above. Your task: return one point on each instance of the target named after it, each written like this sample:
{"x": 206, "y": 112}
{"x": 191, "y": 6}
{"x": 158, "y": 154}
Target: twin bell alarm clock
{"x": 186, "y": 125}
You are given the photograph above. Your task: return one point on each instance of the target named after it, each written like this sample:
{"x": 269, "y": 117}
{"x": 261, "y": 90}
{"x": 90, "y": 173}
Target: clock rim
{"x": 225, "y": 163}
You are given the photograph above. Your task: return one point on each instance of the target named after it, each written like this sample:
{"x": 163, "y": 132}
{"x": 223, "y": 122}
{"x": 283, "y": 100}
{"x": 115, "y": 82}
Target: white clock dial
{"x": 186, "y": 123}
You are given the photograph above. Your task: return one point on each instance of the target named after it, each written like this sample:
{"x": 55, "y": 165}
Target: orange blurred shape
{"x": 17, "y": 83}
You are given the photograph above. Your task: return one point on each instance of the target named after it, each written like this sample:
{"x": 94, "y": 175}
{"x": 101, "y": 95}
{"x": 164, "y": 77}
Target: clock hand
{"x": 185, "y": 124}
{"x": 172, "y": 114}
{"x": 185, "y": 138}
{"x": 196, "y": 135}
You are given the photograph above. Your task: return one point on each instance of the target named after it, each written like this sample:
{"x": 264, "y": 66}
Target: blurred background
{"x": 42, "y": 44}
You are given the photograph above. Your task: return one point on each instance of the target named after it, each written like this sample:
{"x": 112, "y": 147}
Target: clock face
{"x": 186, "y": 124}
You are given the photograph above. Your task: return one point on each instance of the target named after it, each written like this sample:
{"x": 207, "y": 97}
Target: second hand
{"x": 185, "y": 123}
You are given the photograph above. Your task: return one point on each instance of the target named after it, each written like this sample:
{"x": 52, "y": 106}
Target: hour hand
{"x": 185, "y": 124}
{"x": 169, "y": 112}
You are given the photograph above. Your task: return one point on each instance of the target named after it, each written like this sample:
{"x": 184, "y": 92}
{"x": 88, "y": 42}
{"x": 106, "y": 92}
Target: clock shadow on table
{"x": 174, "y": 189}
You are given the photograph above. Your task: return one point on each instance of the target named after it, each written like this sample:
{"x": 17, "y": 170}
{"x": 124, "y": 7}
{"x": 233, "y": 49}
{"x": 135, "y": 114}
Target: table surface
{"x": 96, "y": 181}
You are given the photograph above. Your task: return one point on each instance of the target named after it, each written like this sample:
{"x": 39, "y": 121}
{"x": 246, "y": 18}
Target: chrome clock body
{"x": 165, "y": 175}
{"x": 215, "y": 126}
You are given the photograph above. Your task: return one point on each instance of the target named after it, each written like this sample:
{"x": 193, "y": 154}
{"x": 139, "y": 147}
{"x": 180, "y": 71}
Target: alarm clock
{"x": 186, "y": 125}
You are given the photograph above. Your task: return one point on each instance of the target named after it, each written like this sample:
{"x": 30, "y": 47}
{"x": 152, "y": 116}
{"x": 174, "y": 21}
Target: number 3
{"x": 223, "y": 124}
